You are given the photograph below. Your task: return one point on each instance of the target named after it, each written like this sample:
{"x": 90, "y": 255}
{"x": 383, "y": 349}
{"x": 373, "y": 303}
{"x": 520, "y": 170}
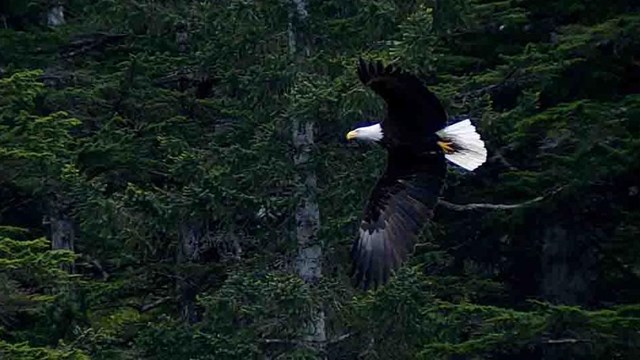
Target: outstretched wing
{"x": 411, "y": 107}
{"x": 399, "y": 206}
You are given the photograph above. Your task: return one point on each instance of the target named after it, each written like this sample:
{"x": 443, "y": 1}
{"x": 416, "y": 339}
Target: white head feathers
{"x": 370, "y": 133}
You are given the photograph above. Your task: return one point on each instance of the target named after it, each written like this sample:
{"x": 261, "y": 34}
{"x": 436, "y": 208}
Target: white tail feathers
{"x": 468, "y": 148}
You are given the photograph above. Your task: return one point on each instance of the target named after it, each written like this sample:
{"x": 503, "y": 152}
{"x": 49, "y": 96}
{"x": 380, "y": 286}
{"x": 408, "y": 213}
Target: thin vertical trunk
{"x": 567, "y": 265}
{"x": 191, "y": 231}
{"x": 188, "y": 252}
{"x": 61, "y": 229}
{"x": 62, "y": 234}
{"x": 309, "y": 257}
{"x": 55, "y": 15}
{"x": 568, "y": 259}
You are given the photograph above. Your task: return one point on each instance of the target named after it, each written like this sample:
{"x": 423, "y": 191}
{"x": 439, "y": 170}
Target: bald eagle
{"x": 418, "y": 143}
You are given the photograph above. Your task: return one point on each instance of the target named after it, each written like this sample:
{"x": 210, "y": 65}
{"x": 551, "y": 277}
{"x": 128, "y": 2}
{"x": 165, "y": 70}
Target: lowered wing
{"x": 399, "y": 206}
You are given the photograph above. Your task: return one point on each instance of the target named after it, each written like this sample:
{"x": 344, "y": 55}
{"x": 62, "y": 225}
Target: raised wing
{"x": 399, "y": 206}
{"x": 410, "y": 105}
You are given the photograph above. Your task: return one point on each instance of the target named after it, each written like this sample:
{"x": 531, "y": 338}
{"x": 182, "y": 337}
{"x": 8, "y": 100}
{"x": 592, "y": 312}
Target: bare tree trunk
{"x": 568, "y": 260}
{"x": 61, "y": 229}
{"x": 567, "y": 265}
{"x": 55, "y": 15}
{"x": 309, "y": 257}
{"x": 188, "y": 252}
{"x": 191, "y": 231}
{"x": 62, "y": 234}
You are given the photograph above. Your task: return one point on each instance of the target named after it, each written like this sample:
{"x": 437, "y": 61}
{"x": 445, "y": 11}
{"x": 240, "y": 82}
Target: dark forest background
{"x": 175, "y": 183}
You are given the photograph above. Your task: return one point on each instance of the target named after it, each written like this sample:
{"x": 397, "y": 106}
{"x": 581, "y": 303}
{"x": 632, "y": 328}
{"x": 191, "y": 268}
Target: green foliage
{"x": 494, "y": 330}
{"x": 142, "y": 142}
{"x": 36, "y": 150}
{"x": 248, "y": 314}
{"x": 31, "y": 279}
{"x": 23, "y": 351}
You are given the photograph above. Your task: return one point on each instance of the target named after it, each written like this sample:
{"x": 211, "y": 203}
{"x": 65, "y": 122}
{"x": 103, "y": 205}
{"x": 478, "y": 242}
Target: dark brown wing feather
{"x": 412, "y": 110}
{"x": 400, "y": 205}
{"x": 403, "y": 199}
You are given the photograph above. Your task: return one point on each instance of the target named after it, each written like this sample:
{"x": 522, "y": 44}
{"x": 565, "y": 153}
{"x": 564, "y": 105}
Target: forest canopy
{"x": 175, "y": 183}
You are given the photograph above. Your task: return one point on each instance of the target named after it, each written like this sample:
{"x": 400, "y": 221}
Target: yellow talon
{"x": 446, "y": 146}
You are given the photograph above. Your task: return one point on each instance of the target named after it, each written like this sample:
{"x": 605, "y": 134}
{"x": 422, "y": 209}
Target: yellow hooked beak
{"x": 351, "y": 135}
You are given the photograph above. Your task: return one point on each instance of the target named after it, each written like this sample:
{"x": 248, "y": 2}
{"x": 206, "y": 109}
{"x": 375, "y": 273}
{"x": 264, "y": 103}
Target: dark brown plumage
{"x": 402, "y": 201}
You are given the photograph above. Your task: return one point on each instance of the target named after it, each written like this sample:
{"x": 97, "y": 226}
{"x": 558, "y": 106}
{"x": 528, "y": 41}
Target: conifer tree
{"x": 180, "y": 169}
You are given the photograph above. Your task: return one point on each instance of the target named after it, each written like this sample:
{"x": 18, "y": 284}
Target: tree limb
{"x": 154, "y": 304}
{"x": 98, "y": 266}
{"x": 498, "y": 157}
{"x": 307, "y": 342}
{"x": 487, "y": 206}
{"x": 565, "y": 341}
{"x": 508, "y": 80}
{"x": 89, "y": 42}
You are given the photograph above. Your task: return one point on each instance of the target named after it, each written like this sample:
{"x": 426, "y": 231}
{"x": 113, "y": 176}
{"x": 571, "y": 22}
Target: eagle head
{"x": 368, "y": 133}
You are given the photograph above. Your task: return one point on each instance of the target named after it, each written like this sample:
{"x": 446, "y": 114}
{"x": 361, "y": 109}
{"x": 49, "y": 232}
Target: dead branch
{"x": 565, "y": 341}
{"x": 508, "y": 80}
{"x": 487, "y": 206}
{"x": 154, "y": 304}
{"x": 307, "y": 342}
{"x": 103, "y": 273}
{"x": 498, "y": 157}
{"x": 89, "y": 42}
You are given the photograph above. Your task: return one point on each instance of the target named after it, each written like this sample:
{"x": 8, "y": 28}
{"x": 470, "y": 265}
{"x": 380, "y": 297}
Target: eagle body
{"x": 418, "y": 143}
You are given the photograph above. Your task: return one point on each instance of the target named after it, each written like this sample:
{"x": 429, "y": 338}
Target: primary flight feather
{"x": 417, "y": 141}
